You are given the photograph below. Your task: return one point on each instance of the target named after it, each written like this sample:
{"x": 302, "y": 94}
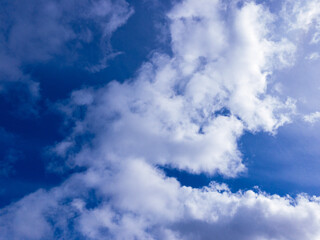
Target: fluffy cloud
{"x": 145, "y": 204}
{"x": 185, "y": 111}
{"x": 237, "y": 63}
{"x": 188, "y": 111}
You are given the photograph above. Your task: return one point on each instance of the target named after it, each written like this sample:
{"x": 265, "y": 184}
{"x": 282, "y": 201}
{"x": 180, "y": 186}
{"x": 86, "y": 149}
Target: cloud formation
{"x": 142, "y": 203}
{"x": 185, "y": 111}
{"x": 312, "y": 118}
{"x": 188, "y": 110}
{"x": 299, "y": 20}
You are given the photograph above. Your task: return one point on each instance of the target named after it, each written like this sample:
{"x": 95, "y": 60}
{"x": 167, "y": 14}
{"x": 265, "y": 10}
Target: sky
{"x": 149, "y": 119}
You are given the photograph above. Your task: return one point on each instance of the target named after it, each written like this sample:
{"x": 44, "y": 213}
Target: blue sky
{"x": 159, "y": 119}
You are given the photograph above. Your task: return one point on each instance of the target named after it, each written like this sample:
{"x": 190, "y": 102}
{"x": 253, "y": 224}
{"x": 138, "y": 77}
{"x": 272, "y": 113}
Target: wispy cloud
{"x": 312, "y": 118}
{"x": 38, "y": 31}
{"x": 313, "y": 56}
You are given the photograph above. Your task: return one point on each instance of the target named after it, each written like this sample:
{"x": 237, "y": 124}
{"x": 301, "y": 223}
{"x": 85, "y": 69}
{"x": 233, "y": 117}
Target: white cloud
{"x": 169, "y": 114}
{"x": 312, "y": 118}
{"x": 145, "y": 204}
{"x": 170, "y": 129}
{"x": 185, "y": 111}
{"x": 238, "y": 64}
{"x": 302, "y": 14}
{"x": 313, "y": 56}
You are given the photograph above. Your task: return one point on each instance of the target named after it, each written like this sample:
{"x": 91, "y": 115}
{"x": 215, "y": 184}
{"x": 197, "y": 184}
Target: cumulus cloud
{"x": 145, "y": 204}
{"x": 189, "y": 110}
{"x": 185, "y": 111}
